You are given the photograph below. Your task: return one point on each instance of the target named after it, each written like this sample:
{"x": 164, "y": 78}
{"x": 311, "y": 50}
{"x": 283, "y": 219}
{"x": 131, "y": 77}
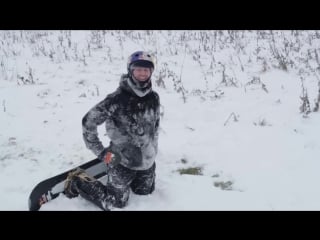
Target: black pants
{"x": 117, "y": 189}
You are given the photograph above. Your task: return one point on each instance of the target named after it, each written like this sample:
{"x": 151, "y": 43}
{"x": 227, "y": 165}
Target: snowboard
{"x": 50, "y": 188}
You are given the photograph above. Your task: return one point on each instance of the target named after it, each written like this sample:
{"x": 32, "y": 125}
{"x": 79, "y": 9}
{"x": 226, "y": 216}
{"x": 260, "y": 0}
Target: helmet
{"x": 141, "y": 59}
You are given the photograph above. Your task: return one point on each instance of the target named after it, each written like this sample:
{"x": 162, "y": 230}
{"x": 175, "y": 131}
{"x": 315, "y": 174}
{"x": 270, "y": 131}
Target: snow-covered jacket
{"x": 132, "y": 124}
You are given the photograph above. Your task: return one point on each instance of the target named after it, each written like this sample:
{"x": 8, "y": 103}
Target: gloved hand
{"x": 108, "y": 155}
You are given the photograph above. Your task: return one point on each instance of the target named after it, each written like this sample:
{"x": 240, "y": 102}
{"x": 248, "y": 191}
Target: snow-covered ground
{"x": 252, "y": 146}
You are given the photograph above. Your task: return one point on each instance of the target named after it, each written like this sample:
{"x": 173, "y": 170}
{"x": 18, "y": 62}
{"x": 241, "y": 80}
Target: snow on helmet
{"x": 140, "y": 59}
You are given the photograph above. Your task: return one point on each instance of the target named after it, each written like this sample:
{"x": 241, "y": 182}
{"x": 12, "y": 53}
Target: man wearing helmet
{"x": 131, "y": 116}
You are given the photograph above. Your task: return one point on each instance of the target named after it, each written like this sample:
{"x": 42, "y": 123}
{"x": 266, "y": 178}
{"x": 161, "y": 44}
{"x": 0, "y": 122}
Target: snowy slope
{"x": 223, "y": 113}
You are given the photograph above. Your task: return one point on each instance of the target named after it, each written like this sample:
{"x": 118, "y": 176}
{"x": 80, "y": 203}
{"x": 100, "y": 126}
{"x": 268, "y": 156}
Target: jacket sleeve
{"x": 157, "y": 123}
{"x": 90, "y": 122}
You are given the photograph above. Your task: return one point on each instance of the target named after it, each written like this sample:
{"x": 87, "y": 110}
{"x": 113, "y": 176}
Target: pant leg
{"x": 114, "y": 193}
{"x": 118, "y": 183}
{"x": 144, "y": 181}
{"x": 94, "y": 192}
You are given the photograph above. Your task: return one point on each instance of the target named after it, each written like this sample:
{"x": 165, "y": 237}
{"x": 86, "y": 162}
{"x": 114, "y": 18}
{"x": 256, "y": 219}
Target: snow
{"x": 255, "y": 149}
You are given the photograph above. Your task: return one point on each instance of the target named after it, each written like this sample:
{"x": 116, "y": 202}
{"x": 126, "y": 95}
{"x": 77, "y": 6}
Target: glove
{"x": 108, "y": 156}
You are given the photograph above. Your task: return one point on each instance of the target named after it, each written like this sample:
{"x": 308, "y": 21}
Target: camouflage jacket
{"x": 132, "y": 124}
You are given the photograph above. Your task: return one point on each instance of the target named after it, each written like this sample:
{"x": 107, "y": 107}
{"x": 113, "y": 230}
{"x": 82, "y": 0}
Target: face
{"x": 141, "y": 73}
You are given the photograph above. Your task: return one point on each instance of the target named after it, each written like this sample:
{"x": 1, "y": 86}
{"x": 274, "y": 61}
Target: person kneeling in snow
{"x": 131, "y": 116}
